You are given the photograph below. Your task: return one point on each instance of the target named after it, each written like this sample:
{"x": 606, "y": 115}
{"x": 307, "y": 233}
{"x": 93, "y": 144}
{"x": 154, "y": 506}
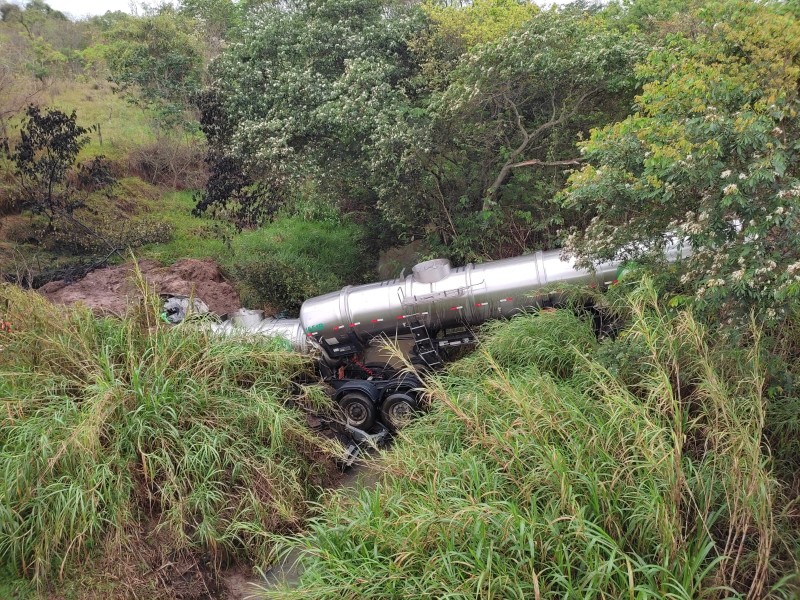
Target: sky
{"x": 82, "y": 8}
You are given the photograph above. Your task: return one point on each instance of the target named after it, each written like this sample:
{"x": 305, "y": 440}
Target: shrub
{"x": 173, "y": 161}
{"x": 291, "y": 259}
{"x": 118, "y": 232}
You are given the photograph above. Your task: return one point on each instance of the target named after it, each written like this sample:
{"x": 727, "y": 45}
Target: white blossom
{"x": 729, "y": 189}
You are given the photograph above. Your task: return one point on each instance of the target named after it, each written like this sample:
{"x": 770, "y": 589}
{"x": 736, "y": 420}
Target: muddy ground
{"x": 109, "y": 290}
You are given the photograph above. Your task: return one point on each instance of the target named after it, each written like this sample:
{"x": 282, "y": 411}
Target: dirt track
{"x": 109, "y": 290}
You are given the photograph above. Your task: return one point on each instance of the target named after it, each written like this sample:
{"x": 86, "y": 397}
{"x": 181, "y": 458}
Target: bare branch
{"x": 569, "y": 162}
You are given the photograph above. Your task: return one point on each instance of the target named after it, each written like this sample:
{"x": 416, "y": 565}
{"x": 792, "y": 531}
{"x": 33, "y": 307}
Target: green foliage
{"x": 193, "y": 237}
{"x": 480, "y": 21}
{"x": 490, "y": 156}
{"x": 219, "y": 17}
{"x": 49, "y": 42}
{"x": 156, "y": 61}
{"x": 49, "y": 183}
{"x": 398, "y": 121}
{"x": 110, "y": 426}
{"x": 120, "y": 231}
{"x": 300, "y": 95}
{"x": 537, "y": 474}
{"x": 710, "y": 156}
{"x": 286, "y": 262}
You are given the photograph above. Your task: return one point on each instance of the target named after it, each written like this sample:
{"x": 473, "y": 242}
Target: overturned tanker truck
{"x": 434, "y": 308}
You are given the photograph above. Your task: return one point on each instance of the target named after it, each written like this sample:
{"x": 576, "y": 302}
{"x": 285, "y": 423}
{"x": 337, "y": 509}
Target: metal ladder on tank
{"x": 423, "y": 343}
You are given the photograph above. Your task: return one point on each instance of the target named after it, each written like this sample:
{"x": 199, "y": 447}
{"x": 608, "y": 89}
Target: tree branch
{"x": 490, "y": 199}
{"x": 569, "y": 162}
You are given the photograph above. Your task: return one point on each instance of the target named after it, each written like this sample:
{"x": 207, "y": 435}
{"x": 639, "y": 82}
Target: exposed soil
{"x": 109, "y": 290}
{"x": 241, "y": 584}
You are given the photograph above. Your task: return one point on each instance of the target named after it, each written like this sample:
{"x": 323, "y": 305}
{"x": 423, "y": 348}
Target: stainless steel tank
{"x": 442, "y": 296}
{"x": 436, "y": 294}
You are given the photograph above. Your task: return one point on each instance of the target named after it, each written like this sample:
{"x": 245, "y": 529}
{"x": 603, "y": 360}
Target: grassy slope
{"x": 122, "y": 126}
{"x": 193, "y": 237}
{"x": 116, "y": 431}
{"x": 538, "y": 473}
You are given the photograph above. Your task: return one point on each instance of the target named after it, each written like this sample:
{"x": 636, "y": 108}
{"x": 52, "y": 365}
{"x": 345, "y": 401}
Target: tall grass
{"x": 110, "y": 428}
{"x": 539, "y": 474}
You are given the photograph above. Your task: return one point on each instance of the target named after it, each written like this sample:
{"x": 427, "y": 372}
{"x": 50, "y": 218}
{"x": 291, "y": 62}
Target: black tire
{"x": 358, "y": 410}
{"x": 398, "y": 410}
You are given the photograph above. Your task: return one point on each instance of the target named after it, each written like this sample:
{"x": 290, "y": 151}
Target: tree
{"x": 217, "y": 19}
{"x": 338, "y": 95}
{"x": 479, "y": 21}
{"x": 711, "y": 155}
{"x": 298, "y": 97}
{"x": 156, "y": 62}
{"x": 488, "y": 155}
{"x": 44, "y": 158}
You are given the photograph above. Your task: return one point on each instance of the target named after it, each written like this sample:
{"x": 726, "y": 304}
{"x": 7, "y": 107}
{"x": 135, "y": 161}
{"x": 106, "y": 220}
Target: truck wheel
{"x": 358, "y": 410}
{"x": 398, "y": 410}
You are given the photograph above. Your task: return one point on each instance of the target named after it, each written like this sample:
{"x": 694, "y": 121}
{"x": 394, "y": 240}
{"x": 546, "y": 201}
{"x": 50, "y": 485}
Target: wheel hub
{"x": 356, "y": 414}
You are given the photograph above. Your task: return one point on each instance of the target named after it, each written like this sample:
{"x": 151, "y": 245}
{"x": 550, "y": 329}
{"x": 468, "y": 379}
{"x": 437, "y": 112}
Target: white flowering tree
{"x": 303, "y": 90}
{"x": 457, "y": 129}
{"x": 712, "y": 155}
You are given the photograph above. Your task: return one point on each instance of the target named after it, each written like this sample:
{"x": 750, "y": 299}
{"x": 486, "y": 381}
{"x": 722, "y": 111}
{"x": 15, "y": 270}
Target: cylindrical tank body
{"x": 245, "y": 324}
{"x": 441, "y": 296}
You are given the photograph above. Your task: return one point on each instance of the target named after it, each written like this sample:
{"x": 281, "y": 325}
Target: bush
{"x": 175, "y": 162}
{"x": 291, "y": 259}
{"x": 118, "y": 232}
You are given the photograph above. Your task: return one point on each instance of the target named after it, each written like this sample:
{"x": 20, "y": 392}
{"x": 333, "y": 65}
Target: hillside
{"x": 261, "y": 154}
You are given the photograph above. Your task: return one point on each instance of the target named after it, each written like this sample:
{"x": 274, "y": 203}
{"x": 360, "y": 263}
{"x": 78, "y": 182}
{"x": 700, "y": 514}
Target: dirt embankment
{"x": 108, "y": 290}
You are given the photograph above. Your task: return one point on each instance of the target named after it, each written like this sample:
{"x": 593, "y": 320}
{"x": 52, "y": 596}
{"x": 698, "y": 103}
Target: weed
{"x": 110, "y": 427}
{"x": 540, "y": 474}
